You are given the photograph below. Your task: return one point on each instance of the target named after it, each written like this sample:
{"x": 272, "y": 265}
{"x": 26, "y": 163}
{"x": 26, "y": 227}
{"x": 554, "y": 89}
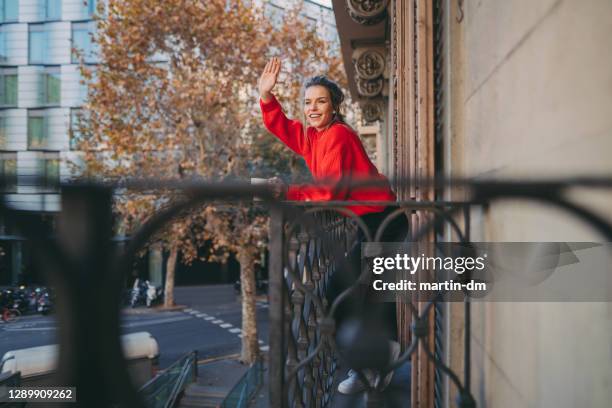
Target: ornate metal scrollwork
{"x": 367, "y": 12}
{"x": 370, "y": 64}
{"x": 369, "y": 87}
{"x": 372, "y": 111}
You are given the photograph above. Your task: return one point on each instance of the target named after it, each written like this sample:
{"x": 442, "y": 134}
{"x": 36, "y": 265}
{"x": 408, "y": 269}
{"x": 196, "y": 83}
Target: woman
{"x": 336, "y": 158}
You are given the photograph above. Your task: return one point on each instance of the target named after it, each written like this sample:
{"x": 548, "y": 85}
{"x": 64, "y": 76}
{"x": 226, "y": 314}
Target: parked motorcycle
{"x": 21, "y": 299}
{"x": 153, "y": 294}
{"x": 44, "y": 302}
{"x": 139, "y": 293}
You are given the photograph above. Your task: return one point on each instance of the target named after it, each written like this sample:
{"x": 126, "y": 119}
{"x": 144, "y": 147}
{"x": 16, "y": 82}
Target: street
{"x": 210, "y": 324}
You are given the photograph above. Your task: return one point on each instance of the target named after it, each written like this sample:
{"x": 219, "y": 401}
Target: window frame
{"x": 38, "y": 28}
{"x": 3, "y": 8}
{"x": 87, "y": 53}
{"x": 11, "y": 186}
{"x": 44, "y": 95}
{"x": 4, "y": 74}
{"x": 46, "y": 14}
{"x": 38, "y": 113}
{"x": 42, "y": 172}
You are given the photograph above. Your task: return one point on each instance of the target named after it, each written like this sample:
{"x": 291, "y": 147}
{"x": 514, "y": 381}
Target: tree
{"x": 174, "y": 98}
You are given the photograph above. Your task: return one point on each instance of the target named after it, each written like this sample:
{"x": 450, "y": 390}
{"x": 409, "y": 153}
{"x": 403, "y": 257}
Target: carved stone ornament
{"x": 369, "y": 87}
{"x": 370, "y": 64}
{"x": 372, "y": 111}
{"x": 367, "y": 12}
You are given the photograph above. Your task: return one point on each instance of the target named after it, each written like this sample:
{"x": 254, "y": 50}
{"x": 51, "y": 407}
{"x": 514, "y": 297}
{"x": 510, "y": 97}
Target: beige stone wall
{"x": 531, "y": 96}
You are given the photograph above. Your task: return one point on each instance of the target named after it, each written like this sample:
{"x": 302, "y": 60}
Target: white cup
{"x": 256, "y": 181}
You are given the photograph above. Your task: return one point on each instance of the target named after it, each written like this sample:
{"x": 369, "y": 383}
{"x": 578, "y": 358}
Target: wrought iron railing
{"x": 312, "y": 245}
{"x": 88, "y": 273}
{"x": 163, "y": 390}
{"x": 305, "y": 251}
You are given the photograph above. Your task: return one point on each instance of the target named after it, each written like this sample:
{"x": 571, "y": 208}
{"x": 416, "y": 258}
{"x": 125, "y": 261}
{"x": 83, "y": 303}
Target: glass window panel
{"x": 11, "y": 89}
{"x": 37, "y": 131}
{"x": 8, "y": 88}
{"x": 53, "y": 88}
{"x": 81, "y": 40}
{"x": 53, "y": 9}
{"x": 3, "y": 132}
{"x": 3, "y": 50}
{"x": 91, "y": 7}
{"x": 8, "y": 172}
{"x": 48, "y": 171}
{"x": 38, "y": 45}
{"x": 10, "y": 10}
{"x": 75, "y": 131}
{"x": 52, "y": 173}
{"x": 274, "y": 14}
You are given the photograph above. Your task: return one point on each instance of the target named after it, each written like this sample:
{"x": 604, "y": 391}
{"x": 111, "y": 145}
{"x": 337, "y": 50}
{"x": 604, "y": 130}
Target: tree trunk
{"x": 250, "y": 345}
{"x": 170, "y": 269}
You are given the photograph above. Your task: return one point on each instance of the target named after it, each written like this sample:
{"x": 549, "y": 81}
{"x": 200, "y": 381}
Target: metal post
{"x": 277, "y": 307}
{"x": 88, "y": 291}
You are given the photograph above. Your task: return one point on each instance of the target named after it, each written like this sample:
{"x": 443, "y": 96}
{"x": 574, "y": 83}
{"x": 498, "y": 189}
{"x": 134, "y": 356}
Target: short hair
{"x": 336, "y": 94}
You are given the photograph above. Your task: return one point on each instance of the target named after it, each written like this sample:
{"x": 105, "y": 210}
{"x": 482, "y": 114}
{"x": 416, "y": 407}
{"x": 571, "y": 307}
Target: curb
{"x": 152, "y": 310}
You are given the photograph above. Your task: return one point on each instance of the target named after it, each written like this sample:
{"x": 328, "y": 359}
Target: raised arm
{"x": 290, "y": 132}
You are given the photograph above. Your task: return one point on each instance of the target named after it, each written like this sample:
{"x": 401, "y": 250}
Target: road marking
{"x": 260, "y": 341}
{"x": 201, "y": 315}
{"x": 193, "y": 312}
{"x": 217, "y": 321}
{"x": 210, "y": 318}
{"x": 187, "y": 310}
{"x": 151, "y": 322}
{"x": 225, "y": 326}
{"x": 235, "y": 330}
{"x": 264, "y": 348}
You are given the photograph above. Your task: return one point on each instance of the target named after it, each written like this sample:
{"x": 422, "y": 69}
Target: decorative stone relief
{"x": 372, "y": 110}
{"x": 370, "y": 64}
{"x": 369, "y": 87}
{"x": 367, "y": 12}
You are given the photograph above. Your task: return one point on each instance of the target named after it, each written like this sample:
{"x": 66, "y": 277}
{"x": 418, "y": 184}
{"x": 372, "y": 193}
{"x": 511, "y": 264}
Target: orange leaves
{"x": 174, "y": 97}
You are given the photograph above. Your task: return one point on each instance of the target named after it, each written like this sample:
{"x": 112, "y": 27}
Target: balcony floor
{"x": 397, "y": 394}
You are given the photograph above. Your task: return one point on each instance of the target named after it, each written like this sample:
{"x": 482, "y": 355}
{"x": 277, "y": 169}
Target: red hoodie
{"x": 333, "y": 155}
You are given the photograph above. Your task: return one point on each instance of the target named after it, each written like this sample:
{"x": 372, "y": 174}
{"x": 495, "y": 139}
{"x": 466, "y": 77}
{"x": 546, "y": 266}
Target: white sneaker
{"x": 352, "y": 384}
{"x": 394, "y": 353}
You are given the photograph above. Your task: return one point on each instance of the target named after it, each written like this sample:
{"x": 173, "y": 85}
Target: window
{"x": 3, "y": 49}
{"x": 8, "y": 172}
{"x": 9, "y": 11}
{"x": 81, "y": 40}
{"x": 53, "y": 10}
{"x": 76, "y": 116}
{"x": 3, "y": 130}
{"x": 48, "y": 172}
{"x": 38, "y": 132}
{"x": 49, "y": 87}
{"x": 91, "y": 7}
{"x": 8, "y": 87}
{"x": 275, "y": 14}
{"x": 38, "y": 41}
{"x": 311, "y": 23}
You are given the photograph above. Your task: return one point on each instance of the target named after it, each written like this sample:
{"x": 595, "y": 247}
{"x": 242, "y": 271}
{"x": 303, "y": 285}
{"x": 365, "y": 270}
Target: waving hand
{"x": 268, "y": 78}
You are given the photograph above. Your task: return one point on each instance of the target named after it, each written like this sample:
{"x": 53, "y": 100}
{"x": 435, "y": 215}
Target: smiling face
{"x": 318, "y": 107}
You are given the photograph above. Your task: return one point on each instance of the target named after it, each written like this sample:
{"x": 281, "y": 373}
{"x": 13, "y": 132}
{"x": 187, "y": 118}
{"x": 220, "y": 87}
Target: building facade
{"x": 494, "y": 90}
{"x": 41, "y": 92}
{"x": 40, "y": 96}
